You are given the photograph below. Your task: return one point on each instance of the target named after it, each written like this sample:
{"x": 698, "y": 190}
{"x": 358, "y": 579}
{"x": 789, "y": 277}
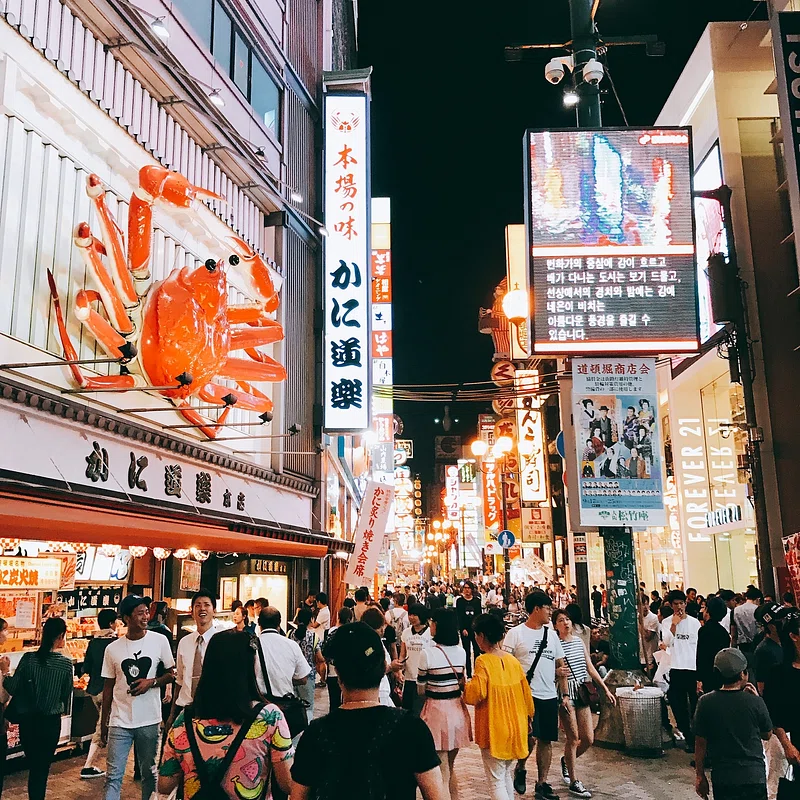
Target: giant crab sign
{"x": 178, "y": 333}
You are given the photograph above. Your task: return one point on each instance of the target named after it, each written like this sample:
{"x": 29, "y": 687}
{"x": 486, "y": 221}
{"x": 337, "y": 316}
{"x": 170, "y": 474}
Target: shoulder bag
{"x": 462, "y": 681}
{"x": 23, "y": 701}
{"x": 209, "y": 790}
{"x": 294, "y": 709}
{"x": 539, "y": 652}
{"x": 587, "y": 693}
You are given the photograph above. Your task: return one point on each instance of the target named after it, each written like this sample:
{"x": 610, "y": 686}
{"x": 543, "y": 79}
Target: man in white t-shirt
{"x": 286, "y": 665}
{"x": 524, "y": 642}
{"x": 414, "y": 639}
{"x": 323, "y": 620}
{"x": 650, "y": 633}
{"x": 679, "y": 633}
{"x": 132, "y": 697}
{"x": 192, "y": 650}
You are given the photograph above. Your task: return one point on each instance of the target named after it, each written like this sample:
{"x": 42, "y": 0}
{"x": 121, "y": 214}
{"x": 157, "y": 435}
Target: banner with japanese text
{"x": 370, "y": 530}
{"x": 618, "y": 441}
{"x": 347, "y": 273}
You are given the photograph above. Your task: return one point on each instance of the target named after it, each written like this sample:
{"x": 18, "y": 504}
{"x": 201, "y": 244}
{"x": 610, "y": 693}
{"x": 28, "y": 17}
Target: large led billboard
{"x": 611, "y": 233}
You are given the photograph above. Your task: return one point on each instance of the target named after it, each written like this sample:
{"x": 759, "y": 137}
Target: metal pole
{"x": 463, "y": 541}
{"x": 581, "y": 14}
{"x": 766, "y": 572}
{"x": 506, "y": 557}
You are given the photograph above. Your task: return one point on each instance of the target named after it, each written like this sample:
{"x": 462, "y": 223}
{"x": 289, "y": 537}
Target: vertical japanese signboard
{"x": 518, "y": 279}
{"x": 615, "y": 408}
{"x": 347, "y": 270}
{"x": 451, "y": 488}
{"x": 369, "y": 533}
{"x": 380, "y": 357}
{"x": 611, "y": 235}
{"x": 492, "y": 501}
{"x": 530, "y": 438}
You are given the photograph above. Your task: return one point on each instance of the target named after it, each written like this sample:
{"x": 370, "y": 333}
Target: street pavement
{"x": 607, "y": 773}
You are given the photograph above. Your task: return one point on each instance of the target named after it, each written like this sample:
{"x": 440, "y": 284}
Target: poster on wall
{"x": 791, "y": 547}
{"x": 611, "y": 236}
{"x": 190, "y": 576}
{"x": 618, "y": 441}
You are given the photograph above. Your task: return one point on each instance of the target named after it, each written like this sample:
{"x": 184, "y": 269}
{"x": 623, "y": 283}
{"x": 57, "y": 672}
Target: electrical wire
{"x": 603, "y": 53}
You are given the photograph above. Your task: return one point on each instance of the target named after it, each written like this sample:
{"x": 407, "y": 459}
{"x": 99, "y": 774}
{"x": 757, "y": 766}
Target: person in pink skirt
{"x": 441, "y": 678}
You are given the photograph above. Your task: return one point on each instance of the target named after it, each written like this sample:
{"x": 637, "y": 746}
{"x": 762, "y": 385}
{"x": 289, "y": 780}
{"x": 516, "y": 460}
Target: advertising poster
{"x": 611, "y": 235}
{"x": 615, "y": 411}
{"x": 791, "y": 547}
{"x": 370, "y": 530}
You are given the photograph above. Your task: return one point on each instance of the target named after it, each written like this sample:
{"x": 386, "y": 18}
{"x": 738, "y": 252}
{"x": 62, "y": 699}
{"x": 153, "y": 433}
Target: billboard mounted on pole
{"x": 610, "y": 224}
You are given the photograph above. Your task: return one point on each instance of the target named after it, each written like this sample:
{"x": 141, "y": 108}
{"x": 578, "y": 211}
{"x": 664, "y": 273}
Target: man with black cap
{"x": 729, "y": 726}
{"x": 135, "y": 667}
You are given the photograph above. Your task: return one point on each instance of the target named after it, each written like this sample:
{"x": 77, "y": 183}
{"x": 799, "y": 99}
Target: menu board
{"x": 611, "y": 233}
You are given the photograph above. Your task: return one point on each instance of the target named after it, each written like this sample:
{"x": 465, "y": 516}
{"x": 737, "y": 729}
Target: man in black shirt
{"x": 468, "y": 608}
{"x": 597, "y": 602}
{"x": 362, "y": 749}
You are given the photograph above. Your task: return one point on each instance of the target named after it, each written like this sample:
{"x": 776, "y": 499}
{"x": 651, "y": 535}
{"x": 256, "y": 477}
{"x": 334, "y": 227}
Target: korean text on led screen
{"x": 611, "y": 231}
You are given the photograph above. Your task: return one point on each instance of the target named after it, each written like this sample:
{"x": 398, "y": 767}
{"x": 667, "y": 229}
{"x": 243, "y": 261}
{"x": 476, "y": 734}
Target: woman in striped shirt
{"x": 576, "y": 720}
{"x": 440, "y": 677}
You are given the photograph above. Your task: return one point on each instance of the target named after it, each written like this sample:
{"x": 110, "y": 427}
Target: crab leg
{"x": 246, "y": 338}
{"x": 156, "y": 183}
{"x": 115, "y": 345}
{"x": 240, "y": 369}
{"x": 248, "y": 400}
{"x": 253, "y": 276}
{"x": 104, "y": 381}
{"x": 91, "y": 250}
{"x": 249, "y": 313}
{"x": 189, "y": 414}
{"x": 112, "y": 239}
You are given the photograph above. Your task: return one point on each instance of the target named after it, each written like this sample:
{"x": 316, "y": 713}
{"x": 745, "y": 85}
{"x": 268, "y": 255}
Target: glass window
{"x": 223, "y": 34}
{"x": 198, "y": 14}
{"x": 265, "y": 96}
{"x": 241, "y": 64}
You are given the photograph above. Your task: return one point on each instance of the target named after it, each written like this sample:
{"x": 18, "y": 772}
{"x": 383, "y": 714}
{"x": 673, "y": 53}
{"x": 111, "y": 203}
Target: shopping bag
{"x": 788, "y": 786}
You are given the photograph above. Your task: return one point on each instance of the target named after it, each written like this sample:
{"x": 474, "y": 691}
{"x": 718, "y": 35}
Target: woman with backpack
{"x": 227, "y": 742}
{"x": 40, "y": 689}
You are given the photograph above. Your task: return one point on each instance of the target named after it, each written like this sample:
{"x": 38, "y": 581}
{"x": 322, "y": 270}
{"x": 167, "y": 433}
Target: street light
{"x": 479, "y": 448}
{"x": 503, "y": 445}
{"x": 516, "y": 306}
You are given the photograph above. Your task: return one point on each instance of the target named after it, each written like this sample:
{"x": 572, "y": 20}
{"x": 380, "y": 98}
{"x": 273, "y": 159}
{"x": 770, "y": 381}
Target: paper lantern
{"x": 110, "y": 550}
{"x": 81, "y": 547}
{"x": 181, "y": 552}
{"x": 137, "y": 550}
{"x": 9, "y": 544}
{"x": 161, "y": 553}
{"x": 197, "y": 554}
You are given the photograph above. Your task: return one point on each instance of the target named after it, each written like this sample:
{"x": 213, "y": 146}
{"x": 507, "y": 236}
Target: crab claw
{"x": 252, "y": 274}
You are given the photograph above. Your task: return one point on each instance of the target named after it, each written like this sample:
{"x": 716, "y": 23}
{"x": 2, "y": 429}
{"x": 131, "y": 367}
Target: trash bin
{"x": 641, "y": 719}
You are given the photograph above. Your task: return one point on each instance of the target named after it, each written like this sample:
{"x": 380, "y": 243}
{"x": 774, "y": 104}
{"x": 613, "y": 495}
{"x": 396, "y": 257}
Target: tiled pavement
{"x": 608, "y": 773}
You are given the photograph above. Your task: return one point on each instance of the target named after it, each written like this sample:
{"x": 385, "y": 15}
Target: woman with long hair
{"x": 577, "y": 718}
{"x": 41, "y": 688}
{"x": 228, "y": 737}
{"x": 306, "y": 637}
{"x": 440, "y": 678}
{"x": 503, "y": 707}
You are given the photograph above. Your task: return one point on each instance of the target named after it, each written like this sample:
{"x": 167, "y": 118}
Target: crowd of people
{"x": 229, "y": 712}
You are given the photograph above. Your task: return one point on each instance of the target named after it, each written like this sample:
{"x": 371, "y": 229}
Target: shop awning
{"x": 48, "y": 519}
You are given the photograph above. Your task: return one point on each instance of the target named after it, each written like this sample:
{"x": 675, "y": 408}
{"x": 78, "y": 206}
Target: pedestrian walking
{"x": 468, "y": 608}
{"x": 364, "y": 749}
{"x": 503, "y": 703}
{"x": 322, "y": 621}
{"x": 227, "y": 739}
{"x": 344, "y": 617}
{"x": 41, "y": 689}
{"x": 286, "y": 666}
{"x": 93, "y": 667}
{"x": 306, "y": 638}
{"x": 192, "y": 650}
{"x": 576, "y": 717}
{"x": 374, "y": 618}
{"x": 597, "y": 603}
{"x": 711, "y": 638}
{"x": 441, "y": 681}
{"x": 679, "y": 633}
{"x": 135, "y": 667}
{"x": 729, "y": 725}
{"x": 538, "y": 649}
{"x": 414, "y": 641}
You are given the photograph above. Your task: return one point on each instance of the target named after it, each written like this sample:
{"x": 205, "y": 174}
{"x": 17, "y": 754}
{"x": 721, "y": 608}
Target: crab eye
{"x": 211, "y": 265}
{"x": 233, "y": 260}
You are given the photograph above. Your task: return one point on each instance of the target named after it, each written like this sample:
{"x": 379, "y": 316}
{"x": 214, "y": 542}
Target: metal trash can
{"x": 641, "y": 719}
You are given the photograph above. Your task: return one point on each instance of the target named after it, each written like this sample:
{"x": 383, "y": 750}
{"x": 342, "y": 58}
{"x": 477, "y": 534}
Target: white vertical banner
{"x": 347, "y": 270}
{"x": 370, "y": 530}
{"x": 517, "y": 273}
{"x": 451, "y": 489}
{"x": 530, "y": 437}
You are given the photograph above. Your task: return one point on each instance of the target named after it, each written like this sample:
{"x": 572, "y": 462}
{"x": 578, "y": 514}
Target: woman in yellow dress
{"x": 503, "y": 707}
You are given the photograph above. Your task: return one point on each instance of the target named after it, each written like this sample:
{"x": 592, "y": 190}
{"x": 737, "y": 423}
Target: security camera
{"x": 593, "y": 72}
{"x": 554, "y": 70}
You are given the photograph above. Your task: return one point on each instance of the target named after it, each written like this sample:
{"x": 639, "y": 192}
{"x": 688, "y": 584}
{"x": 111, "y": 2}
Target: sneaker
{"x": 91, "y": 772}
{"x": 565, "y": 771}
{"x": 520, "y": 781}
{"x": 577, "y": 789}
{"x": 544, "y": 791}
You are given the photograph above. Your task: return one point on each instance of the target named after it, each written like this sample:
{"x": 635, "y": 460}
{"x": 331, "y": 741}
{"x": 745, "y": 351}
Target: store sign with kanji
{"x": 369, "y": 535}
{"x": 349, "y": 345}
{"x": 53, "y": 452}
{"x": 30, "y": 573}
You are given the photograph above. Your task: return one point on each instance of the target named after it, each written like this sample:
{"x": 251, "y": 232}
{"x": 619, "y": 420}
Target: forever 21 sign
{"x": 786, "y": 43}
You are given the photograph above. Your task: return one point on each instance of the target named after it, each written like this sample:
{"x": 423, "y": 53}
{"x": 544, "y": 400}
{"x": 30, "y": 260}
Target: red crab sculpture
{"x": 180, "y": 331}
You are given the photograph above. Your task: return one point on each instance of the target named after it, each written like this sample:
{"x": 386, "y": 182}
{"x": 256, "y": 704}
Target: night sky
{"x": 448, "y": 116}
